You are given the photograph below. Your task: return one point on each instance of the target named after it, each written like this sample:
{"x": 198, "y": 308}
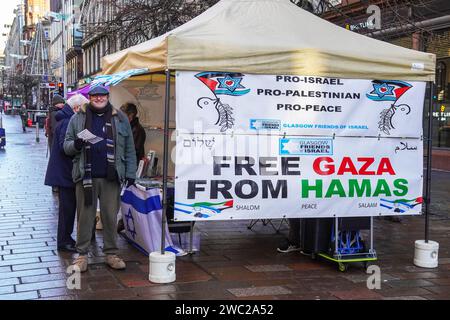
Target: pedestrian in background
{"x": 292, "y": 242}
{"x": 59, "y": 174}
{"x": 139, "y": 137}
{"x": 23, "y": 116}
{"x": 99, "y": 170}
{"x": 50, "y": 123}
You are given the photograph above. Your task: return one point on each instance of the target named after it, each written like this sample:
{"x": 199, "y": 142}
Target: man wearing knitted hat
{"x": 99, "y": 170}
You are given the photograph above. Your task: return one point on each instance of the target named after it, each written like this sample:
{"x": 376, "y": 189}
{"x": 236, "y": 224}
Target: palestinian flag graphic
{"x": 400, "y": 205}
{"x": 203, "y": 209}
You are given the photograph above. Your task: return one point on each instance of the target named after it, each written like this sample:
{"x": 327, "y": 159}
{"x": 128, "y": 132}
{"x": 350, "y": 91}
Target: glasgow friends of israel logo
{"x": 390, "y": 90}
{"x": 221, "y": 83}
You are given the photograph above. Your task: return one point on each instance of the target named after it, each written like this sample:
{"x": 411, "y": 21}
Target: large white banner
{"x": 220, "y": 102}
{"x": 252, "y": 177}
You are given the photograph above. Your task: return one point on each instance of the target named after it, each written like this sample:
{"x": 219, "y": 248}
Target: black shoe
{"x": 67, "y": 248}
{"x": 286, "y": 247}
{"x": 306, "y": 253}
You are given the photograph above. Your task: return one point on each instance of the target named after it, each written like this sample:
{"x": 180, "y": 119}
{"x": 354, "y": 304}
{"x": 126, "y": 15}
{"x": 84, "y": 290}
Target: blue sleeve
{"x": 71, "y": 135}
{"x": 60, "y": 134}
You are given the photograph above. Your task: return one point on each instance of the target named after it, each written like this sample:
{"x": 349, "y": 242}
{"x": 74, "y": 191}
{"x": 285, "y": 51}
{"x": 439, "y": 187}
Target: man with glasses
{"x": 99, "y": 170}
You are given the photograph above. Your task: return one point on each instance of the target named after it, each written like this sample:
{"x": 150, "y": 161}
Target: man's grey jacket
{"x": 125, "y": 154}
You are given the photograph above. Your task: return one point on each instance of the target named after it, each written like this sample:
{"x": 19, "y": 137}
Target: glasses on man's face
{"x": 99, "y": 97}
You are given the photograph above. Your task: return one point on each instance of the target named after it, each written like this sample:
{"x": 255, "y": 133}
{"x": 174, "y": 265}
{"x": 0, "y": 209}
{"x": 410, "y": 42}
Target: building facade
{"x": 14, "y": 48}
{"x": 14, "y": 58}
{"x": 96, "y": 45}
{"x": 67, "y": 12}
{"x": 74, "y": 53}
{"x": 34, "y": 12}
{"x": 56, "y": 49}
{"x": 424, "y": 27}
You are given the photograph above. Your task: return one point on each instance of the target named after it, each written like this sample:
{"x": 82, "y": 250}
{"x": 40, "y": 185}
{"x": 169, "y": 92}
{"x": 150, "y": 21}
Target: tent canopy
{"x": 272, "y": 37}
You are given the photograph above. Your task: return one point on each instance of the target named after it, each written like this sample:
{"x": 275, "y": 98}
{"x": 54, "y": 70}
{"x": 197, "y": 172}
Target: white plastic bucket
{"x": 426, "y": 254}
{"x": 162, "y": 267}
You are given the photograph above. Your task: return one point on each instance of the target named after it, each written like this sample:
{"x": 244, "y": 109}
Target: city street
{"x": 233, "y": 263}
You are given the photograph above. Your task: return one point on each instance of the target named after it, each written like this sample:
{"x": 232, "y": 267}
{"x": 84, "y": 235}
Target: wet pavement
{"x": 234, "y": 262}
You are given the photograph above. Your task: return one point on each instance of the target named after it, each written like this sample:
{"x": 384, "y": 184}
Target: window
{"x": 441, "y": 107}
{"x": 441, "y": 83}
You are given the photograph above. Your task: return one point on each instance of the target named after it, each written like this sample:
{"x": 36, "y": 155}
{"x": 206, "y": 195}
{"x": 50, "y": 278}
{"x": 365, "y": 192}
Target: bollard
{"x": 37, "y": 131}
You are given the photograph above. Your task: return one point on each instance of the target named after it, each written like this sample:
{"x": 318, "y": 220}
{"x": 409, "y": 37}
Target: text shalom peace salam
{"x": 290, "y": 166}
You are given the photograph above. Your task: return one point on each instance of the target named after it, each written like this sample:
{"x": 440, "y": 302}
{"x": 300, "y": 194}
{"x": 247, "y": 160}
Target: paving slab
{"x": 234, "y": 263}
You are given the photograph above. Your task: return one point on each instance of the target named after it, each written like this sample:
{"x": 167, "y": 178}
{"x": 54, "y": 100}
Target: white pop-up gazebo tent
{"x": 270, "y": 37}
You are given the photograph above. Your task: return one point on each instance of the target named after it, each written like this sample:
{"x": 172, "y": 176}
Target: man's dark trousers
{"x": 66, "y": 218}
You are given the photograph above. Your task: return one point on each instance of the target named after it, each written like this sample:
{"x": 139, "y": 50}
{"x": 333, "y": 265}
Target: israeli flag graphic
{"x": 142, "y": 213}
{"x": 223, "y": 83}
{"x": 388, "y": 90}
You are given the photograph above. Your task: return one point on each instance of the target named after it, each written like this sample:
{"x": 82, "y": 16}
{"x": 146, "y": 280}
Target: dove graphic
{"x": 224, "y": 112}
{"x": 206, "y": 102}
{"x": 387, "y": 121}
{"x": 390, "y": 90}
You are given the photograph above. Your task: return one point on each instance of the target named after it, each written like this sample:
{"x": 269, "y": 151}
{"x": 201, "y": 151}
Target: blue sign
{"x": 306, "y": 146}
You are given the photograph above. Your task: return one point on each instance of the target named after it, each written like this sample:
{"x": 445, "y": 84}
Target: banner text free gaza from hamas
{"x": 248, "y": 188}
{"x": 353, "y": 173}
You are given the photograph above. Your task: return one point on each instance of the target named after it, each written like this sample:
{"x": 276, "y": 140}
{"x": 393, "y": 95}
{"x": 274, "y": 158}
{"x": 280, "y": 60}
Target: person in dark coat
{"x": 57, "y": 104}
{"x": 139, "y": 137}
{"x": 23, "y": 116}
{"x": 59, "y": 174}
{"x": 138, "y": 131}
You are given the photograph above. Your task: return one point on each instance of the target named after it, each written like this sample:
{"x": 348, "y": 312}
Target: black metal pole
{"x": 166, "y": 160}
{"x": 429, "y": 156}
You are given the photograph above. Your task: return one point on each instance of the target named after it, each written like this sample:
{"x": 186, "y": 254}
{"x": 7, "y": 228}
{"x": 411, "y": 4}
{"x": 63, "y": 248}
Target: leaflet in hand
{"x": 88, "y": 136}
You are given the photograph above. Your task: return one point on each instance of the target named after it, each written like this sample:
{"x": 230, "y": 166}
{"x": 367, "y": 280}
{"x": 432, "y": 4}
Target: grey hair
{"x": 77, "y": 100}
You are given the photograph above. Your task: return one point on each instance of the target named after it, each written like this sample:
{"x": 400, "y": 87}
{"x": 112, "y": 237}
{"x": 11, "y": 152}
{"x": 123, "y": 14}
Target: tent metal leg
{"x": 252, "y": 223}
{"x": 266, "y": 222}
{"x": 371, "y": 235}
{"x": 336, "y": 235}
{"x": 166, "y": 160}
{"x": 191, "y": 238}
{"x": 277, "y": 229}
{"x": 281, "y": 223}
{"x": 429, "y": 156}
